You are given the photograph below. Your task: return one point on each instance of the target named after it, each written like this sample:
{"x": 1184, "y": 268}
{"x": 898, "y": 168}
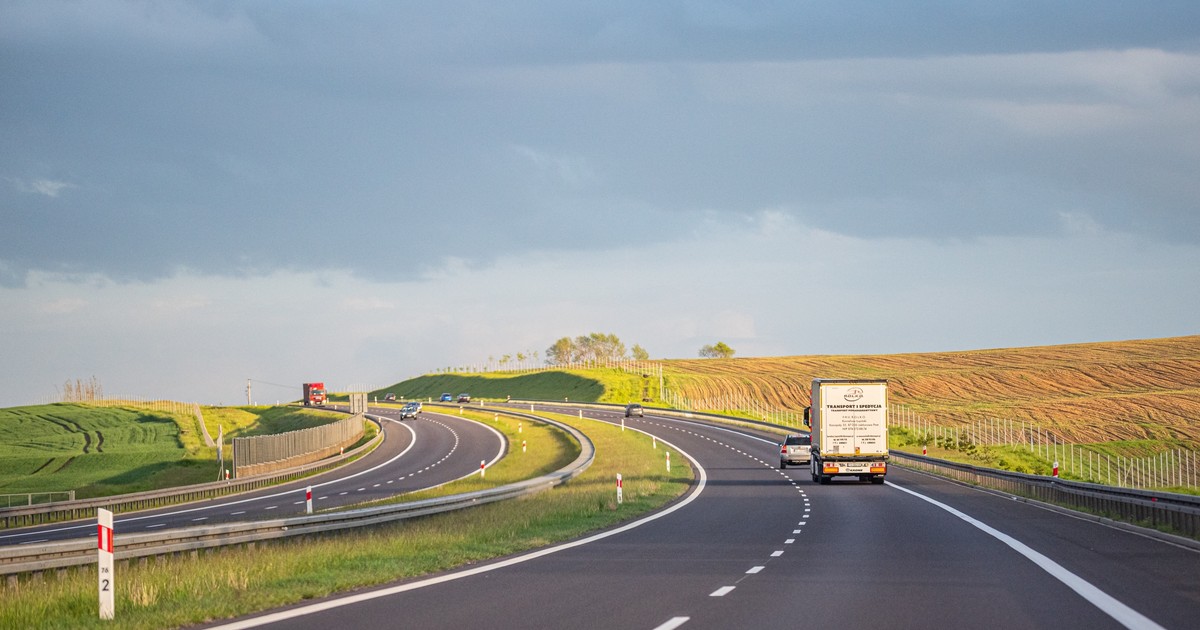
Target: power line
{"x": 292, "y": 387}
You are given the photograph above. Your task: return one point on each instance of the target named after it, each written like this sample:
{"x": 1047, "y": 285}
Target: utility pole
{"x": 249, "y": 401}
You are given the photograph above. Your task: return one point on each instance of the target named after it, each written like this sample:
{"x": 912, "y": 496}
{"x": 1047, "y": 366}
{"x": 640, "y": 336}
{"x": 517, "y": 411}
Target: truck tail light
{"x": 829, "y": 470}
{"x": 879, "y": 468}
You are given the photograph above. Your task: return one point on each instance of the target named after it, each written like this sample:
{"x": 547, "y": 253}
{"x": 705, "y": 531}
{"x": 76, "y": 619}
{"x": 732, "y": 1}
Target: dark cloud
{"x": 239, "y": 138}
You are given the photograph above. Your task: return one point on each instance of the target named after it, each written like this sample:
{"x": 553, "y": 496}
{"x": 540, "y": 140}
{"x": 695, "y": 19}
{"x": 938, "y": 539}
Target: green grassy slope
{"x": 578, "y": 385}
{"x": 95, "y": 451}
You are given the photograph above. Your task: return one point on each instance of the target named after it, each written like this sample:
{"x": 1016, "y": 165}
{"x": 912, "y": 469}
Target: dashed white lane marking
{"x": 155, "y": 525}
{"x": 202, "y": 518}
{"x": 755, "y": 570}
{"x": 722, "y": 592}
{"x": 270, "y": 507}
{"x": 796, "y": 531}
{"x": 236, "y": 513}
{"x": 789, "y": 541}
{"x": 672, "y": 623}
{"x": 1124, "y": 615}
{"x": 776, "y": 554}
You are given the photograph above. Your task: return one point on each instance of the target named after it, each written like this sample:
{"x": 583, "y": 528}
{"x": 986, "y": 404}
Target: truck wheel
{"x": 782, "y": 464}
{"x": 877, "y": 480}
{"x": 825, "y": 479}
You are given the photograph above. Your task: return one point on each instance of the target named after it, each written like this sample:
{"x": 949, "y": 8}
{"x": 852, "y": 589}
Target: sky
{"x": 195, "y": 194}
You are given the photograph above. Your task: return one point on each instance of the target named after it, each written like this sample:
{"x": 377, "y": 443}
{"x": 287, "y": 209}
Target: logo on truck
{"x": 854, "y": 394}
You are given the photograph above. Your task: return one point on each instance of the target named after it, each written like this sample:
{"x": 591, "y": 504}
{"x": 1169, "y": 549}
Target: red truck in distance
{"x": 314, "y": 394}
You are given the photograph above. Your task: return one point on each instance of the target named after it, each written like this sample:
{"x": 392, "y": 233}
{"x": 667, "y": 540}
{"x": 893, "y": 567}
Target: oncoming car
{"x": 447, "y": 397}
{"x": 634, "y": 409}
{"x": 464, "y": 398}
{"x": 410, "y": 410}
{"x": 795, "y": 449}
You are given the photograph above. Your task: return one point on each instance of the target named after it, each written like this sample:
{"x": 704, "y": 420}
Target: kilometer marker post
{"x": 104, "y": 542}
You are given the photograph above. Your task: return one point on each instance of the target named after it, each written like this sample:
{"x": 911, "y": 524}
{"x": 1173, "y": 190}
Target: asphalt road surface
{"x": 755, "y": 546}
{"x": 420, "y": 453}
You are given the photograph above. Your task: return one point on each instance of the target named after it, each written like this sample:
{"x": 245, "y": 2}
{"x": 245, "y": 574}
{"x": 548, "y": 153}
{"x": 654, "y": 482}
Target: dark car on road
{"x": 464, "y": 398}
{"x": 634, "y": 409}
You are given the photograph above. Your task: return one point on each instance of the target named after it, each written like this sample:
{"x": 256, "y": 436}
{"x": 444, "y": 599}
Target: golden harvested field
{"x": 1093, "y": 392}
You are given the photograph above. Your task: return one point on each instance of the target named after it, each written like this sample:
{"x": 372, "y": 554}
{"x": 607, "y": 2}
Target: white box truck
{"x": 848, "y": 419}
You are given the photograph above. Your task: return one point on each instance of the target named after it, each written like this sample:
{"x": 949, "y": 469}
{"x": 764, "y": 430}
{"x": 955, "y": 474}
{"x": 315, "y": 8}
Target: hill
{"x": 1094, "y": 392}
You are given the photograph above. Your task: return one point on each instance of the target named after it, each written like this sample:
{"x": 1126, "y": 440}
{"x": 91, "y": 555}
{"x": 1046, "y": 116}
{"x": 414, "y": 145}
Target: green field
{"x": 97, "y": 451}
{"x": 101, "y": 451}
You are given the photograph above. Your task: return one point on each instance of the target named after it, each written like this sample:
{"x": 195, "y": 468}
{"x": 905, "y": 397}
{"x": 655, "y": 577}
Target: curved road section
{"x": 755, "y": 546}
{"x": 430, "y": 451}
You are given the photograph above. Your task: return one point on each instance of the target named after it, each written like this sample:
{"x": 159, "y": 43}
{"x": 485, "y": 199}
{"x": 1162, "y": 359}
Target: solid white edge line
{"x": 673, "y": 622}
{"x": 1108, "y": 604}
{"x": 395, "y": 590}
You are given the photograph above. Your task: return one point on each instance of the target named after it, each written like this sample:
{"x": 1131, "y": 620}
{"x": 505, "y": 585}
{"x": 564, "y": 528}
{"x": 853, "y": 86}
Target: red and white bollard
{"x": 104, "y": 543}
{"x": 620, "y": 490}
{"x": 308, "y": 500}
{"x": 1055, "y": 469}
{"x": 668, "y": 461}
{"x": 654, "y": 442}
{"x": 482, "y": 467}
{"x": 523, "y": 446}
{"x": 924, "y": 449}
{"x": 226, "y": 474}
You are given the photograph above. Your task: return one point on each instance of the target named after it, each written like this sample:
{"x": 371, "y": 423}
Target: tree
{"x": 718, "y": 351}
{"x": 639, "y": 353}
{"x": 561, "y": 353}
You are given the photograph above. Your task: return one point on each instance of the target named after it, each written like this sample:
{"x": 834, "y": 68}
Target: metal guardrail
{"x": 49, "y": 556}
{"x": 85, "y": 508}
{"x": 1166, "y": 511}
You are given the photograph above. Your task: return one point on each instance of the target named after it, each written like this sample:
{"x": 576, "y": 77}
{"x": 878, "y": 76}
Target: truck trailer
{"x": 848, "y": 419}
{"x": 314, "y": 394}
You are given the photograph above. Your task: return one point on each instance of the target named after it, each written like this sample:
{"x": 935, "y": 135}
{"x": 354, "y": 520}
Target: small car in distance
{"x": 447, "y": 397}
{"x": 410, "y": 410}
{"x": 634, "y": 409}
{"x": 464, "y": 398}
{"x": 389, "y": 398}
{"x": 795, "y": 449}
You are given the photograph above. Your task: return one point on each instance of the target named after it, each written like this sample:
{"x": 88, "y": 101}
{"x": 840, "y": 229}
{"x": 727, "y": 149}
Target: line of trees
{"x": 593, "y": 347}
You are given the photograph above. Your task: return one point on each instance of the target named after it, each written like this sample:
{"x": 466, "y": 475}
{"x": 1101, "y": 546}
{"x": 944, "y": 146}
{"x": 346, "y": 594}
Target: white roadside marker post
{"x": 620, "y": 493}
{"x": 654, "y": 442}
{"x": 104, "y": 536}
{"x": 622, "y": 425}
{"x": 668, "y": 461}
{"x": 308, "y": 499}
{"x": 523, "y": 445}
{"x": 482, "y": 467}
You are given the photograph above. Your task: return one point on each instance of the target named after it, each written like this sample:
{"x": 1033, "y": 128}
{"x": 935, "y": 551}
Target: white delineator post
{"x": 668, "y": 461}
{"x": 620, "y": 493}
{"x": 104, "y": 538}
{"x": 523, "y": 445}
{"x": 308, "y": 500}
{"x": 1055, "y": 469}
{"x": 482, "y": 467}
{"x": 654, "y": 442}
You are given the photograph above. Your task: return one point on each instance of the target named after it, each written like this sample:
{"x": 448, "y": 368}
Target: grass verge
{"x": 175, "y": 591}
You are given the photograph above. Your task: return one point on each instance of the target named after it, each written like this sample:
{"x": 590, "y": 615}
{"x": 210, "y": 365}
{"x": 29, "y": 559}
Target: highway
{"x": 755, "y": 546}
{"x": 416, "y": 454}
